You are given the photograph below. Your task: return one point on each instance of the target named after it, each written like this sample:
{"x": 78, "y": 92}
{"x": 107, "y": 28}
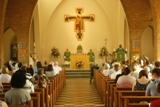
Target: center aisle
{"x": 79, "y": 93}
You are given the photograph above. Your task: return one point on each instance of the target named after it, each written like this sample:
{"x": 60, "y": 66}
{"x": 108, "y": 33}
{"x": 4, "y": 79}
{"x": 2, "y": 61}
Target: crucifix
{"x": 79, "y": 22}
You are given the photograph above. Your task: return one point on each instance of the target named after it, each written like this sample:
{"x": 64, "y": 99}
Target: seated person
{"x": 156, "y": 103}
{"x": 50, "y": 71}
{"x": 119, "y": 75}
{"x": 41, "y": 83}
{"x": 126, "y": 80}
{"x": 17, "y": 95}
{"x": 56, "y": 68}
{"x": 40, "y": 73}
{"x": 5, "y": 77}
{"x": 152, "y": 86}
{"x": 134, "y": 71}
{"x": 117, "y": 71}
{"x": 3, "y": 104}
{"x": 142, "y": 82}
{"x": 28, "y": 86}
{"x": 106, "y": 69}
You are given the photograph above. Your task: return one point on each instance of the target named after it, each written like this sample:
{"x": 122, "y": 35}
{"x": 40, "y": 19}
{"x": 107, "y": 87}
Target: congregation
{"x": 24, "y": 80}
{"x": 136, "y": 76}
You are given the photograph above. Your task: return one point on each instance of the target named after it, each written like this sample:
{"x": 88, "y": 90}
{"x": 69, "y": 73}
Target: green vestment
{"x": 91, "y": 56}
{"x": 120, "y": 55}
{"x": 67, "y": 56}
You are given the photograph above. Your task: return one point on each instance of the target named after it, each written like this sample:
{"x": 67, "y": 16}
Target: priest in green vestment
{"x": 91, "y": 56}
{"x": 67, "y": 56}
{"x": 120, "y": 54}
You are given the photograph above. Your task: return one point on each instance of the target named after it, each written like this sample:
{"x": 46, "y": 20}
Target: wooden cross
{"x": 79, "y": 22}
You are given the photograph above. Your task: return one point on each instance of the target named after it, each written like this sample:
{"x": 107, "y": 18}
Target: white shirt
{"x": 29, "y": 86}
{"x": 106, "y": 72}
{"x": 113, "y": 75}
{"x": 5, "y": 78}
{"x": 50, "y": 73}
{"x": 57, "y": 69}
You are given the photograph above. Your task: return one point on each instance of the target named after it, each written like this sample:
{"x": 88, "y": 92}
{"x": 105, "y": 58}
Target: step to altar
{"x": 77, "y": 73}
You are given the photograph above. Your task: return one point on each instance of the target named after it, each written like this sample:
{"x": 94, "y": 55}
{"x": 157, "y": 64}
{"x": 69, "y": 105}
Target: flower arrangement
{"x": 103, "y": 52}
{"x": 79, "y": 64}
{"x": 55, "y": 52}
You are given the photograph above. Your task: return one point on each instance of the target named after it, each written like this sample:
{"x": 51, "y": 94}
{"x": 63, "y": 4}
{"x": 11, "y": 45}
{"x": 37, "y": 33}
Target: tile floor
{"x": 79, "y": 93}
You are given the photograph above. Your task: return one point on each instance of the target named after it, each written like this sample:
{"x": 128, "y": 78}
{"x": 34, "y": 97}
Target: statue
{"x": 120, "y": 54}
{"x": 91, "y": 56}
{"x": 14, "y": 52}
{"x": 67, "y": 57}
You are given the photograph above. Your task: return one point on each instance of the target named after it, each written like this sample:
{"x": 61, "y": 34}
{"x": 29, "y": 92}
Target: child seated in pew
{"x": 142, "y": 82}
{"x": 17, "y": 95}
{"x": 40, "y": 72}
{"x": 41, "y": 83}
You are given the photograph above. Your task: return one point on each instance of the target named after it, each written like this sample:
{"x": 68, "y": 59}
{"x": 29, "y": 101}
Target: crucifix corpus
{"x": 79, "y": 22}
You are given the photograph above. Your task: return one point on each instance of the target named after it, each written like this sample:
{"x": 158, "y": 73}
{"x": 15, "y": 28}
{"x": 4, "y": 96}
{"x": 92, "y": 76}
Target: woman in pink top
{"x": 126, "y": 80}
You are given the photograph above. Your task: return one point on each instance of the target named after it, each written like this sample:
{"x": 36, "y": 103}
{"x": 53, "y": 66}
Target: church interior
{"x": 45, "y": 29}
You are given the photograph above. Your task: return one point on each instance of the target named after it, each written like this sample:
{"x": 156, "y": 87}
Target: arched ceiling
{"x": 138, "y": 13}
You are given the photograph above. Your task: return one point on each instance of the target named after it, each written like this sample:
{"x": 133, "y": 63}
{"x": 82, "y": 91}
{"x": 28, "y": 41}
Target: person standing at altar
{"x": 120, "y": 54}
{"x": 31, "y": 60}
{"x": 67, "y": 57}
{"x": 91, "y": 56}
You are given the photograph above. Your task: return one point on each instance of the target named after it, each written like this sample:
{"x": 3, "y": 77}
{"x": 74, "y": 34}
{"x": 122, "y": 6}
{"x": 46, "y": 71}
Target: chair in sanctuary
{"x": 79, "y": 49}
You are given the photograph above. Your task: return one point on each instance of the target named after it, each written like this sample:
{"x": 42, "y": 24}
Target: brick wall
{"x": 156, "y": 17}
{"x": 3, "y": 4}
{"x": 139, "y": 15}
{"x": 18, "y": 18}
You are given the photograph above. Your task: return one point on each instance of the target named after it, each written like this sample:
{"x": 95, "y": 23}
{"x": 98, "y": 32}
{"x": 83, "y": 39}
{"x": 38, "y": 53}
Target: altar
{"x": 76, "y": 58}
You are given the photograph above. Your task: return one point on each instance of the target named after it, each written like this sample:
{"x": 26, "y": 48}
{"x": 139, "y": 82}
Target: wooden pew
{"x": 137, "y": 105}
{"x": 35, "y": 97}
{"x": 42, "y": 96}
{"x": 30, "y": 104}
{"x": 5, "y": 83}
{"x": 108, "y": 91}
{"x": 52, "y": 80}
{"x": 121, "y": 93}
{"x": 101, "y": 83}
{"x": 115, "y": 94}
{"x": 50, "y": 92}
{"x": 111, "y": 93}
{"x": 6, "y": 88}
{"x": 129, "y": 99}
